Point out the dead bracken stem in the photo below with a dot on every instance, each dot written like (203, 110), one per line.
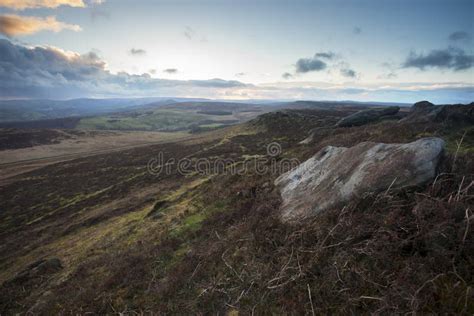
(467, 226)
(230, 267)
(459, 143)
(310, 299)
(390, 186)
(459, 189)
(421, 288)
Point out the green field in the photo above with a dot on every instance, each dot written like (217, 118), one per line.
(158, 120)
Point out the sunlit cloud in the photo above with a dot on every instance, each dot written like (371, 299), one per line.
(13, 25)
(50, 4)
(34, 4)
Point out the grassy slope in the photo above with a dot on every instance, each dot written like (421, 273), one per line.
(133, 242)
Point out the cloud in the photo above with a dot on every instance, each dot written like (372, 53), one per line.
(137, 51)
(440, 93)
(192, 34)
(12, 25)
(152, 71)
(452, 58)
(189, 33)
(240, 74)
(304, 65)
(218, 83)
(48, 72)
(357, 30)
(389, 75)
(51, 4)
(287, 75)
(170, 70)
(347, 72)
(459, 36)
(97, 13)
(327, 55)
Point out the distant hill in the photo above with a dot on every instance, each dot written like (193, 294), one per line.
(33, 110)
(29, 110)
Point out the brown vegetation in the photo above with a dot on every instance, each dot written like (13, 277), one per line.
(217, 246)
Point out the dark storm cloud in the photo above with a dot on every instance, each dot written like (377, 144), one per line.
(346, 72)
(452, 58)
(459, 36)
(137, 51)
(287, 75)
(46, 72)
(171, 70)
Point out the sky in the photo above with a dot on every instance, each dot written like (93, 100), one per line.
(365, 50)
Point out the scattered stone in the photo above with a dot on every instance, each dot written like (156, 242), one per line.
(335, 175)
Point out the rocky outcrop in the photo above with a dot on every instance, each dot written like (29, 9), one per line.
(367, 116)
(335, 175)
(424, 111)
(422, 106)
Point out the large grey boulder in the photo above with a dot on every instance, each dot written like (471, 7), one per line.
(335, 175)
(367, 116)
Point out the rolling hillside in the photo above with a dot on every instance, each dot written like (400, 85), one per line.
(114, 233)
